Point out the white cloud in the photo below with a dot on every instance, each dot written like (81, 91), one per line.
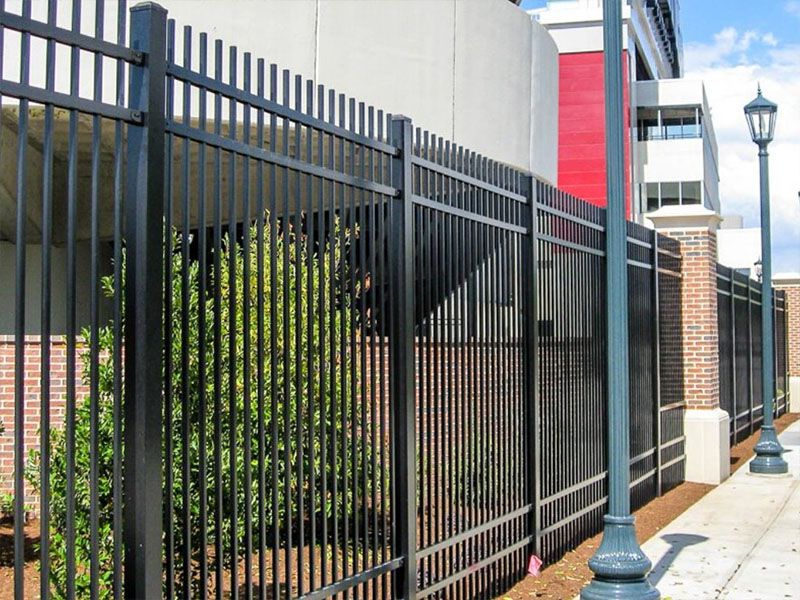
(731, 67)
(793, 7)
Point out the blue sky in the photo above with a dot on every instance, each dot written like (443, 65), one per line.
(732, 46)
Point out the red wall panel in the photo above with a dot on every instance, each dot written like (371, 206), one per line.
(581, 127)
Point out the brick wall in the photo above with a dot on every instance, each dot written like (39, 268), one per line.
(700, 327)
(33, 399)
(793, 330)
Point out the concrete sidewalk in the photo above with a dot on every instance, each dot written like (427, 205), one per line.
(739, 542)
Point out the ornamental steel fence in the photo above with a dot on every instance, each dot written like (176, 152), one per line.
(570, 483)
(310, 351)
(739, 314)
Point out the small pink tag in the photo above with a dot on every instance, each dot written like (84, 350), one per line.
(534, 564)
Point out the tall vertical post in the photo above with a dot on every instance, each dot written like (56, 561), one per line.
(769, 459)
(401, 359)
(656, 368)
(733, 355)
(750, 378)
(774, 310)
(143, 307)
(619, 565)
(530, 322)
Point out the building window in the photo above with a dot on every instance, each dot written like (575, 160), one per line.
(670, 194)
(653, 202)
(669, 124)
(673, 193)
(690, 192)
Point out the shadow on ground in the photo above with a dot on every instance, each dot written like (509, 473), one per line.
(677, 542)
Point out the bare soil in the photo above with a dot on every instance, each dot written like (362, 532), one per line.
(560, 581)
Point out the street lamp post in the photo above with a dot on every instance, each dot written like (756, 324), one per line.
(761, 115)
(619, 565)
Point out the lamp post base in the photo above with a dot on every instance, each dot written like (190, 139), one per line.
(768, 460)
(619, 565)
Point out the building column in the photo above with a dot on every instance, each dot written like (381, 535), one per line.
(706, 425)
(791, 285)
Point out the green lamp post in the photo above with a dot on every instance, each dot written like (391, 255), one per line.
(619, 565)
(761, 114)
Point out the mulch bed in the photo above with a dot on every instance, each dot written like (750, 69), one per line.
(564, 579)
(561, 581)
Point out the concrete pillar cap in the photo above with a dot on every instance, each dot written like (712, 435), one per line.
(691, 216)
(786, 279)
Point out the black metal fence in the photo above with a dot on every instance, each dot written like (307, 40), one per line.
(324, 353)
(739, 313)
(570, 492)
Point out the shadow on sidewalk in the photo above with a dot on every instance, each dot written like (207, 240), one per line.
(677, 542)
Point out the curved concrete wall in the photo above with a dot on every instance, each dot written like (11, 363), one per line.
(479, 72)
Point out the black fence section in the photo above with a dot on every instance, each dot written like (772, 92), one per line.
(308, 352)
(571, 488)
(739, 314)
(471, 225)
(64, 123)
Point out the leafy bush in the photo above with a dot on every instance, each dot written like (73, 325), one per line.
(298, 421)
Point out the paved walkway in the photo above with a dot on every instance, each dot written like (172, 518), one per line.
(739, 542)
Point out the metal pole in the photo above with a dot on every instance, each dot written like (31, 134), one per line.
(531, 350)
(143, 294)
(619, 565)
(750, 378)
(732, 415)
(768, 458)
(656, 312)
(401, 353)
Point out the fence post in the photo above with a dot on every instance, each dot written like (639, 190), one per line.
(530, 349)
(401, 352)
(749, 359)
(734, 396)
(773, 309)
(656, 368)
(143, 307)
(786, 381)
(775, 406)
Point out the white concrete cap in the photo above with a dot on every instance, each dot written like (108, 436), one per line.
(689, 216)
(784, 279)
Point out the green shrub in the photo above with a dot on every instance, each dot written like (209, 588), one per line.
(296, 415)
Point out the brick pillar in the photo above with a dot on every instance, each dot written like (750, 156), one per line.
(706, 425)
(791, 285)
(699, 314)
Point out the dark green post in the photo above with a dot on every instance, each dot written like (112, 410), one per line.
(144, 239)
(619, 565)
(761, 114)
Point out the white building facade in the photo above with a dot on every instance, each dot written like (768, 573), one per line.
(676, 159)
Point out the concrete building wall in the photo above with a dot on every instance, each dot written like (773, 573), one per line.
(58, 281)
(481, 72)
(672, 160)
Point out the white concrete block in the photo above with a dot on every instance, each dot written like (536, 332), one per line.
(707, 446)
(794, 394)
